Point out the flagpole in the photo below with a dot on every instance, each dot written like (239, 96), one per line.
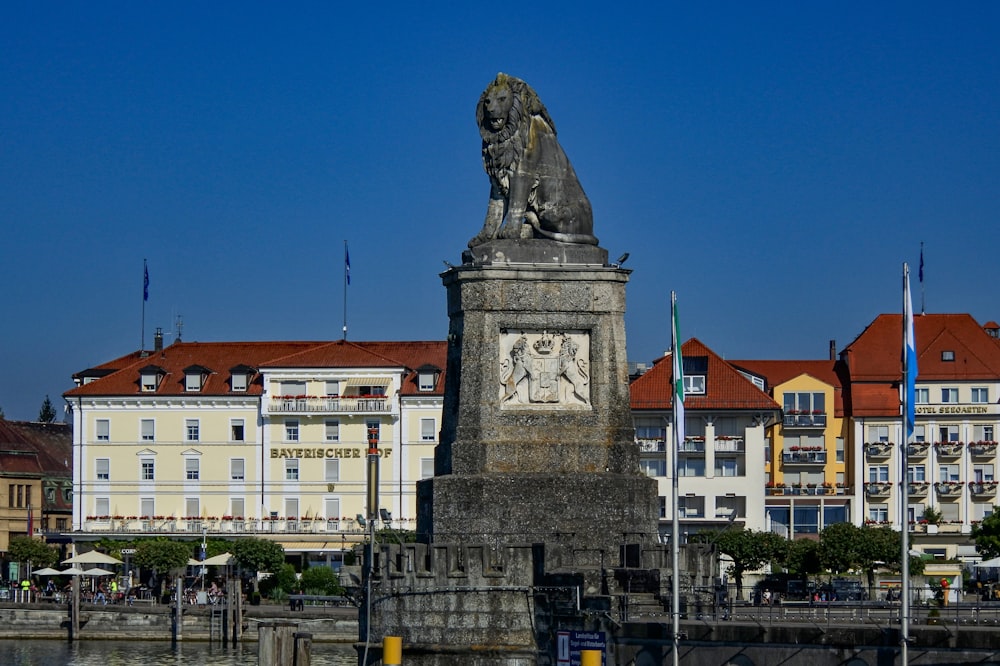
(347, 281)
(678, 437)
(921, 276)
(909, 382)
(145, 296)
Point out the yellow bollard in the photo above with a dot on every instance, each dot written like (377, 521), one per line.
(590, 658)
(392, 651)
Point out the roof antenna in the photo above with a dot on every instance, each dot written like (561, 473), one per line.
(180, 326)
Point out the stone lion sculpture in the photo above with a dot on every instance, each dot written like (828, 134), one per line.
(534, 192)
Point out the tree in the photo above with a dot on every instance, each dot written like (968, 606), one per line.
(258, 555)
(162, 556)
(749, 551)
(29, 549)
(845, 546)
(320, 580)
(803, 557)
(987, 536)
(47, 414)
(838, 547)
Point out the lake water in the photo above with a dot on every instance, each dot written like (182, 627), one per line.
(151, 653)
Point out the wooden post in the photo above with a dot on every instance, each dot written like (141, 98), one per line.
(276, 643)
(392, 651)
(303, 649)
(590, 658)
(74, 631)
(178, 609)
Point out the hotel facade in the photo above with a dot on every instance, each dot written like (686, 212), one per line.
(254, 438)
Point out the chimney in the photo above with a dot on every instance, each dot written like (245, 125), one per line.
(158, 340)
(833, 350)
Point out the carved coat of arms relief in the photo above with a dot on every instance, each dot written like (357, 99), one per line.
(544, 369)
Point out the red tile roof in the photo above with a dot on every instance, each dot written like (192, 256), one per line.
(876, 354)
(35, 448)
(725, 387)
(221, 357)
(779, 372)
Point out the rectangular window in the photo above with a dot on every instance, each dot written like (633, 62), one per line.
(694, 384)
(840, 449)
(426, 468)
(916, 473)
(239, 382)
(147, 469)
(333, 513)
(236, 430)
(726, 467)
(237, 471)
(980, 395)
(291, 509)
(291, 469)
(103, 469)
(982, 473)
(148, 380)
(806, 519)
(237, 508)
(726, 506)
(691, 507)
(192, 469)
(921, 396)
(949, 511)
(878, 513)
(948, 472)
(102, 507)
(425, 381)
(981, 511)
(332, 389)
(192, 382)
(428, 433)
(688, 466)
(878, 473)
(948, 433)
(331, 470)
(147, 507)
(147, 430)
(918, 434)
(878, 434)
(192, 430)
(292, 430)
(293, 389)
(949, 395)
(982, 433)
(654, 467)
(103, 430)
(332, 433)
(192, 507)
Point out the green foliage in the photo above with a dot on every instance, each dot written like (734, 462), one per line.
(750, 550)
(47, 413)
(258, 554)
(162, 555)
(838, 547)
(845, 546)
(803, 557)
(390, 535)
(987, 536)
(29, 549)
(931, 515)
(281, 583)
(321, 580)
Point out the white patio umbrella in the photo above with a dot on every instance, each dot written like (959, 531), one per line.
(92, 557)
(72, 571)
(221, 560)
(97, 571)
(989, 564)
(47, 571)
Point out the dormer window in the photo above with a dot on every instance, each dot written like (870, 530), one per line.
(695, 370)
(239, 378)
(150, 378)
(427, 377)
(195, 377)
(948, 355)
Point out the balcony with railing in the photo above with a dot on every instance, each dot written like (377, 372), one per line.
(809, 455)
(948, 449)
(692, 445)
(983, 449)
(983, 488)
(215, 525)
(917, 450)
(949, 488)
(308, 404)
(733, 445)
(878, 488)
(878, 450)
(805, 419)
(651, 445)
(918, 488)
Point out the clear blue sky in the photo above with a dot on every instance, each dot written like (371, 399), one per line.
(773, 163)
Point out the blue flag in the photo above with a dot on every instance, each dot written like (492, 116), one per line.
(347, 264)
(145, 282)
(920, 273)
(909, 353)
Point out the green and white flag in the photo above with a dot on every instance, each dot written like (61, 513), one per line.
(678, 406)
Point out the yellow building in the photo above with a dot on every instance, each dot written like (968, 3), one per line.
(259, 438)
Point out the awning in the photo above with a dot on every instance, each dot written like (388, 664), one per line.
(369, 381)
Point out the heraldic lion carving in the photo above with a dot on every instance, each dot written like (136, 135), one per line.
(532, 183)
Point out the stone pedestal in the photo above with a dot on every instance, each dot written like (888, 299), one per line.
(537, 437)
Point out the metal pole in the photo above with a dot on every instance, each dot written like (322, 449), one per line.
(904, 507)
(675, 548)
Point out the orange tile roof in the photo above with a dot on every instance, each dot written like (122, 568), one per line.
(777, 372)
(221, 357)
(876, 354)
(725, 387)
